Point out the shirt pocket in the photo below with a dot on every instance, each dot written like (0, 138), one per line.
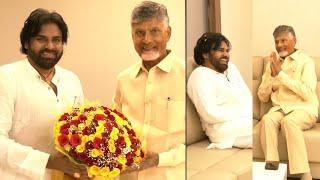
(170, 115)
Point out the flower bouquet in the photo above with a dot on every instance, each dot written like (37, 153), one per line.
(100, 138)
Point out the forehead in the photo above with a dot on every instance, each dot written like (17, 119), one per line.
(149, 24)
(50, 29)
(283, 35)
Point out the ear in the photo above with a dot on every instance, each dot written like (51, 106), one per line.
(205, 55)
(168, 33)
(26, 45)
(295, 40)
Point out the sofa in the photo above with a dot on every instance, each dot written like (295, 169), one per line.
(312, 136)
(203, 164)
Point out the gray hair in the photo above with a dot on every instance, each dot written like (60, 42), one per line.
(148, 10)
(283, 28)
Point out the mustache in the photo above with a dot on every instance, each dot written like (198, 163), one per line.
(225, 57)
(48, 51)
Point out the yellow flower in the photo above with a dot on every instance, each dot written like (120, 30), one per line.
(138, 153)
(99, 111)
(81, 126)
(122, 159)
(120, 121)
(80, 148)
(58, 126)
(114, 133)
(111, 146)
(127, 140)
(100, 129)
(114, 173)
(101, 123)
(137, 159)
(105, 171)
(67, 147)
(93, 171)
(91, 137)
(95, 153)
(84, 139)
(90, 117)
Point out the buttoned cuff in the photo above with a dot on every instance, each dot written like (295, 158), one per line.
(172, 157)
(35, 164)
(165, 159)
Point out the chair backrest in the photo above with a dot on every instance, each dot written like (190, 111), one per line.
(259, 64)
(194, 129)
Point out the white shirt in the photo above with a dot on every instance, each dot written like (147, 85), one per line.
(223, 102)
(28, 110)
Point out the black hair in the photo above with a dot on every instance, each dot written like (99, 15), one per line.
(208, 41)
(34, 22)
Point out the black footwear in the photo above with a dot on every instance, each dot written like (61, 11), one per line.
(272, 165)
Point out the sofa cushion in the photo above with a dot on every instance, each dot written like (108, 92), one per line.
(215, 163)
(194, 129)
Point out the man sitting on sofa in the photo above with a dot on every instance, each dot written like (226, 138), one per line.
(221, 98)
(290, 81)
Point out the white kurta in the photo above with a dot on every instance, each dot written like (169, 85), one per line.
(28, 110)
(224, 104)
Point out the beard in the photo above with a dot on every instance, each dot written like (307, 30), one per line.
(43, 62)
(218, 66)
(283, 54)
(150, 56)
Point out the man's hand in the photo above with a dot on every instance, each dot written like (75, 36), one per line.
(151, 160)
(275, 64)
(62, 163)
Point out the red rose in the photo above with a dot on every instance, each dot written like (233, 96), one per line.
(82, 156)
(82, 118)
(64, 117)
(99, 117)
(75, 140)
(110, 117)
(108, 126)
(120, 142)
(64, 129)
(97, 142)
(119, 167)
(75, 122)
(86, 131)
(89, 145)
(63, 140)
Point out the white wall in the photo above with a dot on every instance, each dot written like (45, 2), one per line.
(236, 26)
(100, 44)
(302, 15)
(197, 23)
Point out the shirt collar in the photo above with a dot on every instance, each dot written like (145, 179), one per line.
(35, 73)
(295, 55)
(165, 65)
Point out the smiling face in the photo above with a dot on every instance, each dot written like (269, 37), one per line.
(46, 48)
(150, 39)
(218, 59)
(285, 43)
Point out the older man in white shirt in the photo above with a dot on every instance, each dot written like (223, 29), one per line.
(220, 95)
(33, 92)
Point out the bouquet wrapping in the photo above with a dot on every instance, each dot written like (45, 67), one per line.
(98, 137)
